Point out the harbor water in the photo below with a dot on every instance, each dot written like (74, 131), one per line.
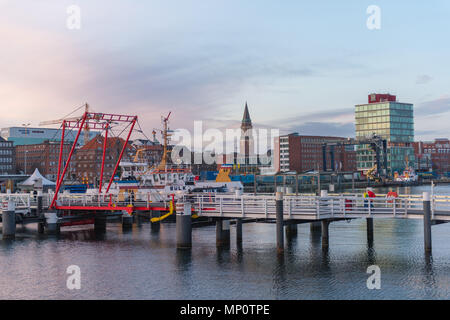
(144, 264)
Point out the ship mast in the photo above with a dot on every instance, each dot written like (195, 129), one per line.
(165, 134)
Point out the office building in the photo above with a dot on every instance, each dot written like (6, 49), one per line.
(301, 153)
(7, 159)
(384, 116)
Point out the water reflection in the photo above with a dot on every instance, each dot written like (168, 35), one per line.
(116, 262)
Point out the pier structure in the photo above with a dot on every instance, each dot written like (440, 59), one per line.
(285, 211)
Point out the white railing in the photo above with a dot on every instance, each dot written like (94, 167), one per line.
(302, 206)
(21, 200)
(315, 207)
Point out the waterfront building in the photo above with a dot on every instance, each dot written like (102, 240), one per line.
(384, 116)
(7, 155)
(43, 156)
(88, 159)
(433, 156)
(27, 135)
(301, 153)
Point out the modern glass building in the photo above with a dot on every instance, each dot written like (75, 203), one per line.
(26, 135)
(392, 120)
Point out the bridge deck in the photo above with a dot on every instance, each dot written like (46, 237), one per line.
(308, 207)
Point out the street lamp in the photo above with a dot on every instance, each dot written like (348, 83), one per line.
(26, 125)
(26, 151)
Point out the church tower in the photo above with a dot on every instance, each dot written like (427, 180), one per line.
(246, 143)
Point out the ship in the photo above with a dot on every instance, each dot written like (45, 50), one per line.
(168, 179)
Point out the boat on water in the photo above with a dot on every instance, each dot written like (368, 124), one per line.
(167, 179)
(408, 176)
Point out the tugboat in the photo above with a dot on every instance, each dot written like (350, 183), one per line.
(408, 175)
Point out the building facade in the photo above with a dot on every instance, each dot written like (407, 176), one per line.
(88, 159)
(298, 153)
(43, 156)
(433, 156)
(7, 157)
(384, 116)
(27, 135)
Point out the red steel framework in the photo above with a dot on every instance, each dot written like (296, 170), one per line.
(94, 121)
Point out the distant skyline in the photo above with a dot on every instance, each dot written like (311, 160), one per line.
(301, 66)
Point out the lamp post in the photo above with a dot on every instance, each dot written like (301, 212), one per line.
(25, 169)
(26, 125)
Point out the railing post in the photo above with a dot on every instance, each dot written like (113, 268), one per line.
(265, 207)
(220, 207)
(290, 208)
(394, 203)
(433, 203)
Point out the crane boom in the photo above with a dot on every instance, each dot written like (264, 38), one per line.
(57, 121)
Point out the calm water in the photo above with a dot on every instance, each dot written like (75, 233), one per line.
(140, 264)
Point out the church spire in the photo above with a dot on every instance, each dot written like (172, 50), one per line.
(246, 121)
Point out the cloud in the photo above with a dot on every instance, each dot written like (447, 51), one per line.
(324, 129)
(434, 107)
(423, 79)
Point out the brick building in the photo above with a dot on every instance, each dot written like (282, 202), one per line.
(150, 154)
(43, 156)
(7, 161)
(298, 153)
(434, 155)
(88, 159)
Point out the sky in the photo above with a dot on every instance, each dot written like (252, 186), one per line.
(302, 66)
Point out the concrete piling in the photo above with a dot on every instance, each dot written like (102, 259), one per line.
(226, 232)
(100, 222)
(325, 234)
(127, 221)
(291, 230)
(155, 226)
(427, 221)
(219, 234)
(316, 227)
(40, 213)
(369, 225)
(184, 227)
(9, 221)
(280, 222)
(52, 224)
(239, 231)
(222, 233)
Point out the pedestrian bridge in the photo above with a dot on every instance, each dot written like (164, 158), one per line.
(312, 207)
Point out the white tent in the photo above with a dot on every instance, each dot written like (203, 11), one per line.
(31, 181)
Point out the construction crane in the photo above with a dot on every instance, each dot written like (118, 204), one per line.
(166, 134)
(375, 142)
(66, 118)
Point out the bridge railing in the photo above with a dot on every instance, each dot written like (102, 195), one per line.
(21, 200)
(314, 206)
